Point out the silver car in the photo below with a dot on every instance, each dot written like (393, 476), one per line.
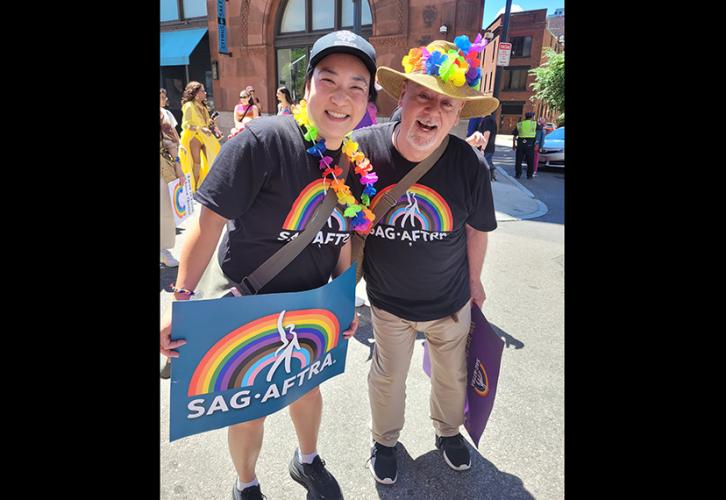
(552, 152)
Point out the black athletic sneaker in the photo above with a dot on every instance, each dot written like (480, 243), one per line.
(251, 493)
(320, 483)
(455, 452)
(383, 463)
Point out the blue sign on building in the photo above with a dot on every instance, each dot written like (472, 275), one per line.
(222, 24)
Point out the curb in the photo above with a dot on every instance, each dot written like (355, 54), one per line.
(516, 183)
(542, 209)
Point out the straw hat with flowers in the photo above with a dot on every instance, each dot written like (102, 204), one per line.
(451, 69)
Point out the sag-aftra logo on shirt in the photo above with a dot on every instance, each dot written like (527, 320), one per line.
(336, 232)
(421, 214)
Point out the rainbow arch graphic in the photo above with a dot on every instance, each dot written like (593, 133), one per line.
(304, 206)
(337, 215)
(433, 215)
(180, 207)
(240, 356)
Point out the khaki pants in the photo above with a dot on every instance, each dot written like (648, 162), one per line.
(390, 363)
(168, 228)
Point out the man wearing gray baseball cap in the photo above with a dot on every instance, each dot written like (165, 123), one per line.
(257, 180)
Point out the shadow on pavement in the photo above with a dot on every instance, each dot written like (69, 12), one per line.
(509, 341)
(364, 333)
(428, 477)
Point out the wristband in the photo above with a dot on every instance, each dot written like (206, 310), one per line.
(183, 291)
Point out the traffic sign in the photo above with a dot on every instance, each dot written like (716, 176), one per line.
(505, 50)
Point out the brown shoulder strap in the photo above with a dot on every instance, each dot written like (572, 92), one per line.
(254, 282)
(390, 198)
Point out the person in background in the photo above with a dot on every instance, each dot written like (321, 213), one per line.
(197, 138)
(284, 106)
(255, 100)
(244, 112)
(370, 118)
(538, 142)
(482, 134)
(168, 116)
(523, 143)
(170, 170)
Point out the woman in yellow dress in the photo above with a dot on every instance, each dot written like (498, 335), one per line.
(200, 145)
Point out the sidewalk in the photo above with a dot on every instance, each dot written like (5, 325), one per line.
(512, 201)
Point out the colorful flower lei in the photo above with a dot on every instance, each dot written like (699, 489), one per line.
(361, 215)
(456, 66)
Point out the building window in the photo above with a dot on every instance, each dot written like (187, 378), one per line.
(346, 20)
(294, 17)
(195, 8)
(512, 108)
(316, 15)
(522, 46)
(323, 14)
(177, 10)
(291, 66)
(169, 10)
(304, 21)
(515, 79)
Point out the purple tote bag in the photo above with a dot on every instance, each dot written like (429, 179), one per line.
(484, 357)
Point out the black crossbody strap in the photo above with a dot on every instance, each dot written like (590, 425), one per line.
(254, 282)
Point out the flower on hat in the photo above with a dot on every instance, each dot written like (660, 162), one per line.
(413, 61)
(457, 66)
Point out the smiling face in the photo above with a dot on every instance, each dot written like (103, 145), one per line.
(337, 96)
(201, 94)
(426, 118)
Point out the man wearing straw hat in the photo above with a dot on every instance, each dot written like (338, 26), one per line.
(424, 257)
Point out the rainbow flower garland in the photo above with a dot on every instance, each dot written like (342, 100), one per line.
(361, 215)
(456, 66)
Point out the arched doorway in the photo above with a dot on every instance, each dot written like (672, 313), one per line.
(299, 24)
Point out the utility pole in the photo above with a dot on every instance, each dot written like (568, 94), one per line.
(502, 38)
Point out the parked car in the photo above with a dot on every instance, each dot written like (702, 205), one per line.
(549, 127)
(552, 152)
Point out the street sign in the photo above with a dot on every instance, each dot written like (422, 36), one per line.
(505, 50)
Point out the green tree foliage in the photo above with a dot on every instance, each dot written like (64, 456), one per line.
(549, 85)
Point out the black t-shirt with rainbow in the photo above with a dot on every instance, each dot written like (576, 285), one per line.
(416, 263)
(268, 186)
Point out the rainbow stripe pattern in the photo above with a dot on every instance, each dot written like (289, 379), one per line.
(433, 214)
(304, 206)
(337, 215)
(241, 355)
(180, 207)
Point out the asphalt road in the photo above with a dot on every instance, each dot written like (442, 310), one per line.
(521, 454)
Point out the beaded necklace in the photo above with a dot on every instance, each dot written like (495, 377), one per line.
(361, 215)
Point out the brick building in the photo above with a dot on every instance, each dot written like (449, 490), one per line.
(529, 36)
(556, 23)
(269, 41)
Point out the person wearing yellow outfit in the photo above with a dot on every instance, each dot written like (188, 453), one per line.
(200, 145)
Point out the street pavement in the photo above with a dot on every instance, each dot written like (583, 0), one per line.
(520, 455)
